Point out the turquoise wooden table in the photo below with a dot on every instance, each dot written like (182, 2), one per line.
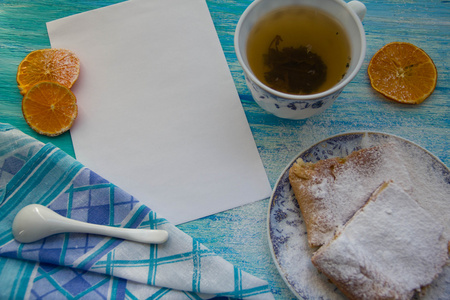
(240, 235)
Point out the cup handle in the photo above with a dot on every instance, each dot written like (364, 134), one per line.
(359, 8)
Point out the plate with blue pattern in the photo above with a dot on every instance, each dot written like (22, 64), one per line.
(287, 232)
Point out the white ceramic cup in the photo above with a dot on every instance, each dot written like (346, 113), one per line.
(291, 106)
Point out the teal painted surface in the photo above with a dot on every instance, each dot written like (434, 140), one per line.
(240, 235)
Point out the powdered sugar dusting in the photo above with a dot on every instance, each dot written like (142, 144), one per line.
(397, 244)
(426, 179)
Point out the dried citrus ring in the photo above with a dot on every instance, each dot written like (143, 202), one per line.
(58, 65)
(49, 108)
(403, 72)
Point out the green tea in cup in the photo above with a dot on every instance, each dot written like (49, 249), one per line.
(298, 50)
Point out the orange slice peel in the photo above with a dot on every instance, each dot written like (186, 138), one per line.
(57, 65)
(49, 108)
(403, 72)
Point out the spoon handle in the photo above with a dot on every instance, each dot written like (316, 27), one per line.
(35, 222)
(147, 236)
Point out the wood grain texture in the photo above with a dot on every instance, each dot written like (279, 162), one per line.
(240, 235)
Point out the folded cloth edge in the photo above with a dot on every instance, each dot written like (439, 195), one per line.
(70, 168)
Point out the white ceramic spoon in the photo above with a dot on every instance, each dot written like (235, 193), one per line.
(35, 222)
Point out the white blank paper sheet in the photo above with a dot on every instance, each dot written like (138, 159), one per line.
(159, 115)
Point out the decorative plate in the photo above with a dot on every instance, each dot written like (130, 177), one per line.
(287, 232)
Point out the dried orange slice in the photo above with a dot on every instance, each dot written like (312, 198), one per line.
(58, 65)
(49, 108)
(403, 72)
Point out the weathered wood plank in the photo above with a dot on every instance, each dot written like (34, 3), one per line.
(240, 234)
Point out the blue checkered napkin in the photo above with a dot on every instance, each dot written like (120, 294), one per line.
(79, 265)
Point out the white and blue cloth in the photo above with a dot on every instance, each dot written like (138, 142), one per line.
(83, 266)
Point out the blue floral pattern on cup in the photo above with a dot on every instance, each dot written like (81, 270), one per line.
(297, 107)
(290, 108)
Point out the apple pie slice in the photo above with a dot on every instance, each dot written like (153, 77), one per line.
(330, 191)
(389, 249)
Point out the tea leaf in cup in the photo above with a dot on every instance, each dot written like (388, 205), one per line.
(294, 70)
